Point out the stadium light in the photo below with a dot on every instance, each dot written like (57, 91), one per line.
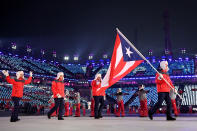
(183, 51)
(90, 57)
(54, 54)
(29, 49)
(150, 52)
(42, 51)
(13, 46)
(76, 57)
(66, 58)
(196, 56)
(105, 56)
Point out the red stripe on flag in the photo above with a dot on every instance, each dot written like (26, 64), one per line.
(120, 66)
(127, 72)
(113, 59)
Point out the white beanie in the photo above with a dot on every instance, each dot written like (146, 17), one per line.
(59, 74)
(163, 65)
(18, 73)
(141, 87)
(97, 75)
(119, 90)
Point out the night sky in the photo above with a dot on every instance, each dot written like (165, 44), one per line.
(83, 27)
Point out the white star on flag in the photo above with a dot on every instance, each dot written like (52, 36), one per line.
(128, 51)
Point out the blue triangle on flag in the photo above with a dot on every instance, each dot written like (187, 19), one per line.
(129, 54)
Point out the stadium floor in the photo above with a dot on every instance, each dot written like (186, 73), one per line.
(42, 123)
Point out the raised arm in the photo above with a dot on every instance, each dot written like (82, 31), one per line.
(28, 81)
(8, 79)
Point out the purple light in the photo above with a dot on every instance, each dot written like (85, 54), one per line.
(180, 58)
(186, 58)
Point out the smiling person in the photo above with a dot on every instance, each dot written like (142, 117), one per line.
(58, 94)
(17, 90)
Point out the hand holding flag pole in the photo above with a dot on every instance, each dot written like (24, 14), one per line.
(140, 54)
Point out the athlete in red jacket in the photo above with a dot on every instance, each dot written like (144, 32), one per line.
(98, 97)
(163, 90)
(17, 90)
(58, 93)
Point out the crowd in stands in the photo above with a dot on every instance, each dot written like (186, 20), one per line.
(39, 91)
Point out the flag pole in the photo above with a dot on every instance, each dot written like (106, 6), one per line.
(140, 54)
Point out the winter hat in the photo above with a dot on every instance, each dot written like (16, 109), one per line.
(119, 90)
(59, 74)
(164, 65)
(141, 87)
(18, 73)
(97, 75)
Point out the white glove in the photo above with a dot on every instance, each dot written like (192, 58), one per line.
(30, 73)
(5, 73)
(175, 91)
(160, 76)
(58, 95)
(65, 98)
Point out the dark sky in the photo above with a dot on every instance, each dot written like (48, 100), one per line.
(83, 27)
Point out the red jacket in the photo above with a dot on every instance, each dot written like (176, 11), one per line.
(18, 85)
(94, 89)
(58, 88)
(162, 86)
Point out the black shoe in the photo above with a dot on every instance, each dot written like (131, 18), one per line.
(170, 119)
(77, 116)
(60, 118)
(13, 120)
(96, 117)
(49, 116)
(150, 115)
(100, 116)
(18, 119)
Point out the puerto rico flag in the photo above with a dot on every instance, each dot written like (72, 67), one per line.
(124, 60)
